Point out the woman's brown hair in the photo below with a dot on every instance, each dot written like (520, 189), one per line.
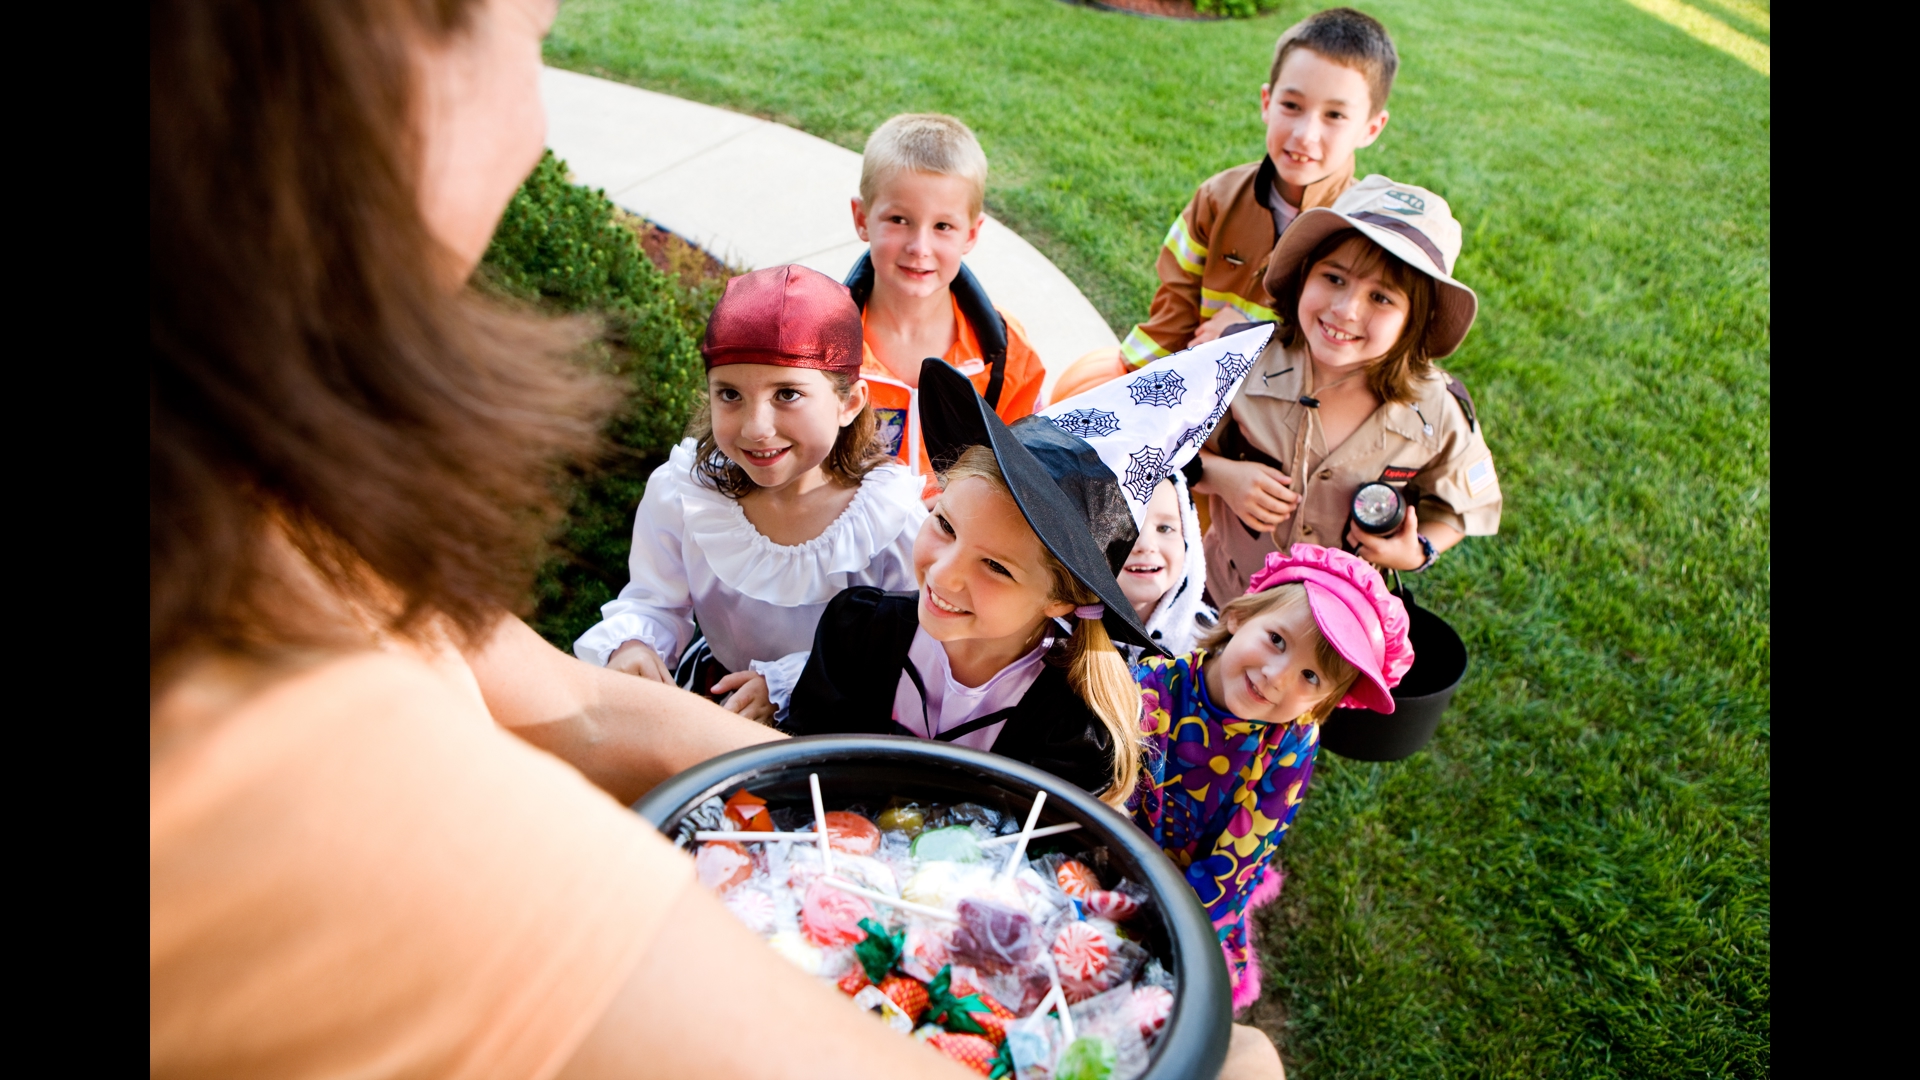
(311, 374)
(856, 451)
(1391, 377)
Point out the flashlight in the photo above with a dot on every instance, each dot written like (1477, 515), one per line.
(1379, 508)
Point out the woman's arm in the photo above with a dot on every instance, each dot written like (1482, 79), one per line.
(625, 734)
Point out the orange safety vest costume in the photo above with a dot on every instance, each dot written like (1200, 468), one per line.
(989, 347)
(1215, 257)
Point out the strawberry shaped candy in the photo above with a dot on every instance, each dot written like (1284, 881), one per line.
(972, 1051)
(909, 994)
(878, 952)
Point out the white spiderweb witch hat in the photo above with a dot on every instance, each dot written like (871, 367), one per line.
(1148, 424)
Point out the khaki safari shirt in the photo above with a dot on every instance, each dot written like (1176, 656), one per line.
(1215, 257)
(1435, 445)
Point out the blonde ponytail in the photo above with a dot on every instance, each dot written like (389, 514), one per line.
(1095, 670)
(1099, 676)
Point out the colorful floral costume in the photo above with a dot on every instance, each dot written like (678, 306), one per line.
(1218, 795)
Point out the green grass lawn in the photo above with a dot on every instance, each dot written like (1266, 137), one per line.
(1573, 879)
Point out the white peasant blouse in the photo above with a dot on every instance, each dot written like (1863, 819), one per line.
(695, 555)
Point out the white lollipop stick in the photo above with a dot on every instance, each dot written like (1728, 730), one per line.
(893, 901)
(820, 824)
(1059, 996)
(1026, 834)
(1011, 838)
(750, 837)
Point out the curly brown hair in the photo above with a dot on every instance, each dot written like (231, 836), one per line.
(311, 376)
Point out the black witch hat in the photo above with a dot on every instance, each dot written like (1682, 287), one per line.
(1068, 495)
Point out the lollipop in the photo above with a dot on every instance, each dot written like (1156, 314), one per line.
(831, 917)
(851, 833)
(722, 864)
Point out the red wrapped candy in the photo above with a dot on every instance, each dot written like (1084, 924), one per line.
(830, 917)
(1076, 879)
(995, 1019)
(1151, 1007)
(748, 812)
(1109, 904)
(1079, 952)
(974, 1052)
(853, 982)
(722, 864)
(909, 994)
(851, 833)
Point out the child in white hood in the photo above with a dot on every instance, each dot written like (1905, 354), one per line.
(1166, 573)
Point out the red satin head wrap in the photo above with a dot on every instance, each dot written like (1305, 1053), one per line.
(787, 316)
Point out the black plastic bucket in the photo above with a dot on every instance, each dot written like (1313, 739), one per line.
(871, 769)
(1439, 663)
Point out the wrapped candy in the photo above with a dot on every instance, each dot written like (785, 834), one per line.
(973, 1051)
(1111, 904)
(875, 1000)
(994, 936)
(1033, 1045)
(851, 833)
(1151, 1007)
(754, 907)
(909, 994)
(907, 817)
(748, 812)
(854, 981)
(722, 864)
(1079, 952)
(1088, 1057)
(955, 843)
(830, 917)
(925, 951)
(942, 884)
(1076, 879)
(989, 821)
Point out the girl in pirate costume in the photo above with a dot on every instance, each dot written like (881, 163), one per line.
(1009, 645)
(782, 498)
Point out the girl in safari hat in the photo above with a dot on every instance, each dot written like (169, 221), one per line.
(1348, 394)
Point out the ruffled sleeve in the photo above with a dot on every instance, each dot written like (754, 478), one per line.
(655, 606)
(870, 543)
(781, 675)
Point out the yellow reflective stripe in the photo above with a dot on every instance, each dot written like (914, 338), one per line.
(1192, 257)
(1140, 349)
(1213, 300)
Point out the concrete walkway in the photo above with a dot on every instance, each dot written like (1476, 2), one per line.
(756, 194)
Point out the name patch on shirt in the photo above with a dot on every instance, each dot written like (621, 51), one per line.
(1398, 473)
(1480, 475)
(891, 426)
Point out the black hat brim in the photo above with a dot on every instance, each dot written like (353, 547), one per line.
(953, 417)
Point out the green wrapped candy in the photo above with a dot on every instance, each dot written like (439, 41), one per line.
(1088, 1057)
(952, 844)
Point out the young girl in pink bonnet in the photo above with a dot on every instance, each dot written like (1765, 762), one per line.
(1231, 729)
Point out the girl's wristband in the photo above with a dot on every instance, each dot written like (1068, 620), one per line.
(1426, 549)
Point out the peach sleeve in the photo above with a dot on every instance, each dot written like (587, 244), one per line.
(354, 871)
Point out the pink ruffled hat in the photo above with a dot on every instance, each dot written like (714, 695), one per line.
(1365, 623)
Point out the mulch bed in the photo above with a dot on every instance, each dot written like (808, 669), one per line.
(1156, 9)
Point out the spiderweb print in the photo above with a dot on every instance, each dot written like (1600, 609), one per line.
(1162, 388)
(1145, 469)
(1087, 423)
(1232, 366)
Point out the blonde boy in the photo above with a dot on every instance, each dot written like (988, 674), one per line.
(1324, 99)
(923, 181)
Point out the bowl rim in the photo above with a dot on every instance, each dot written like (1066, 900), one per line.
(1198, 1026)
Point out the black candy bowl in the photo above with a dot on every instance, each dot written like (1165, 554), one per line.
(871, 769)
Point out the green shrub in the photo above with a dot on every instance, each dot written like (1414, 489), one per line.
(566, 248)
(1235, 9)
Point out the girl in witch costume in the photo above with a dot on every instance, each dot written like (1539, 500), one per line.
(782, 498)
(1232, 728)
(1009, 644)
(1165, 575)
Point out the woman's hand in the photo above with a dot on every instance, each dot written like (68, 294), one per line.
(638, 658)
(1257, 493)
(748, 696)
